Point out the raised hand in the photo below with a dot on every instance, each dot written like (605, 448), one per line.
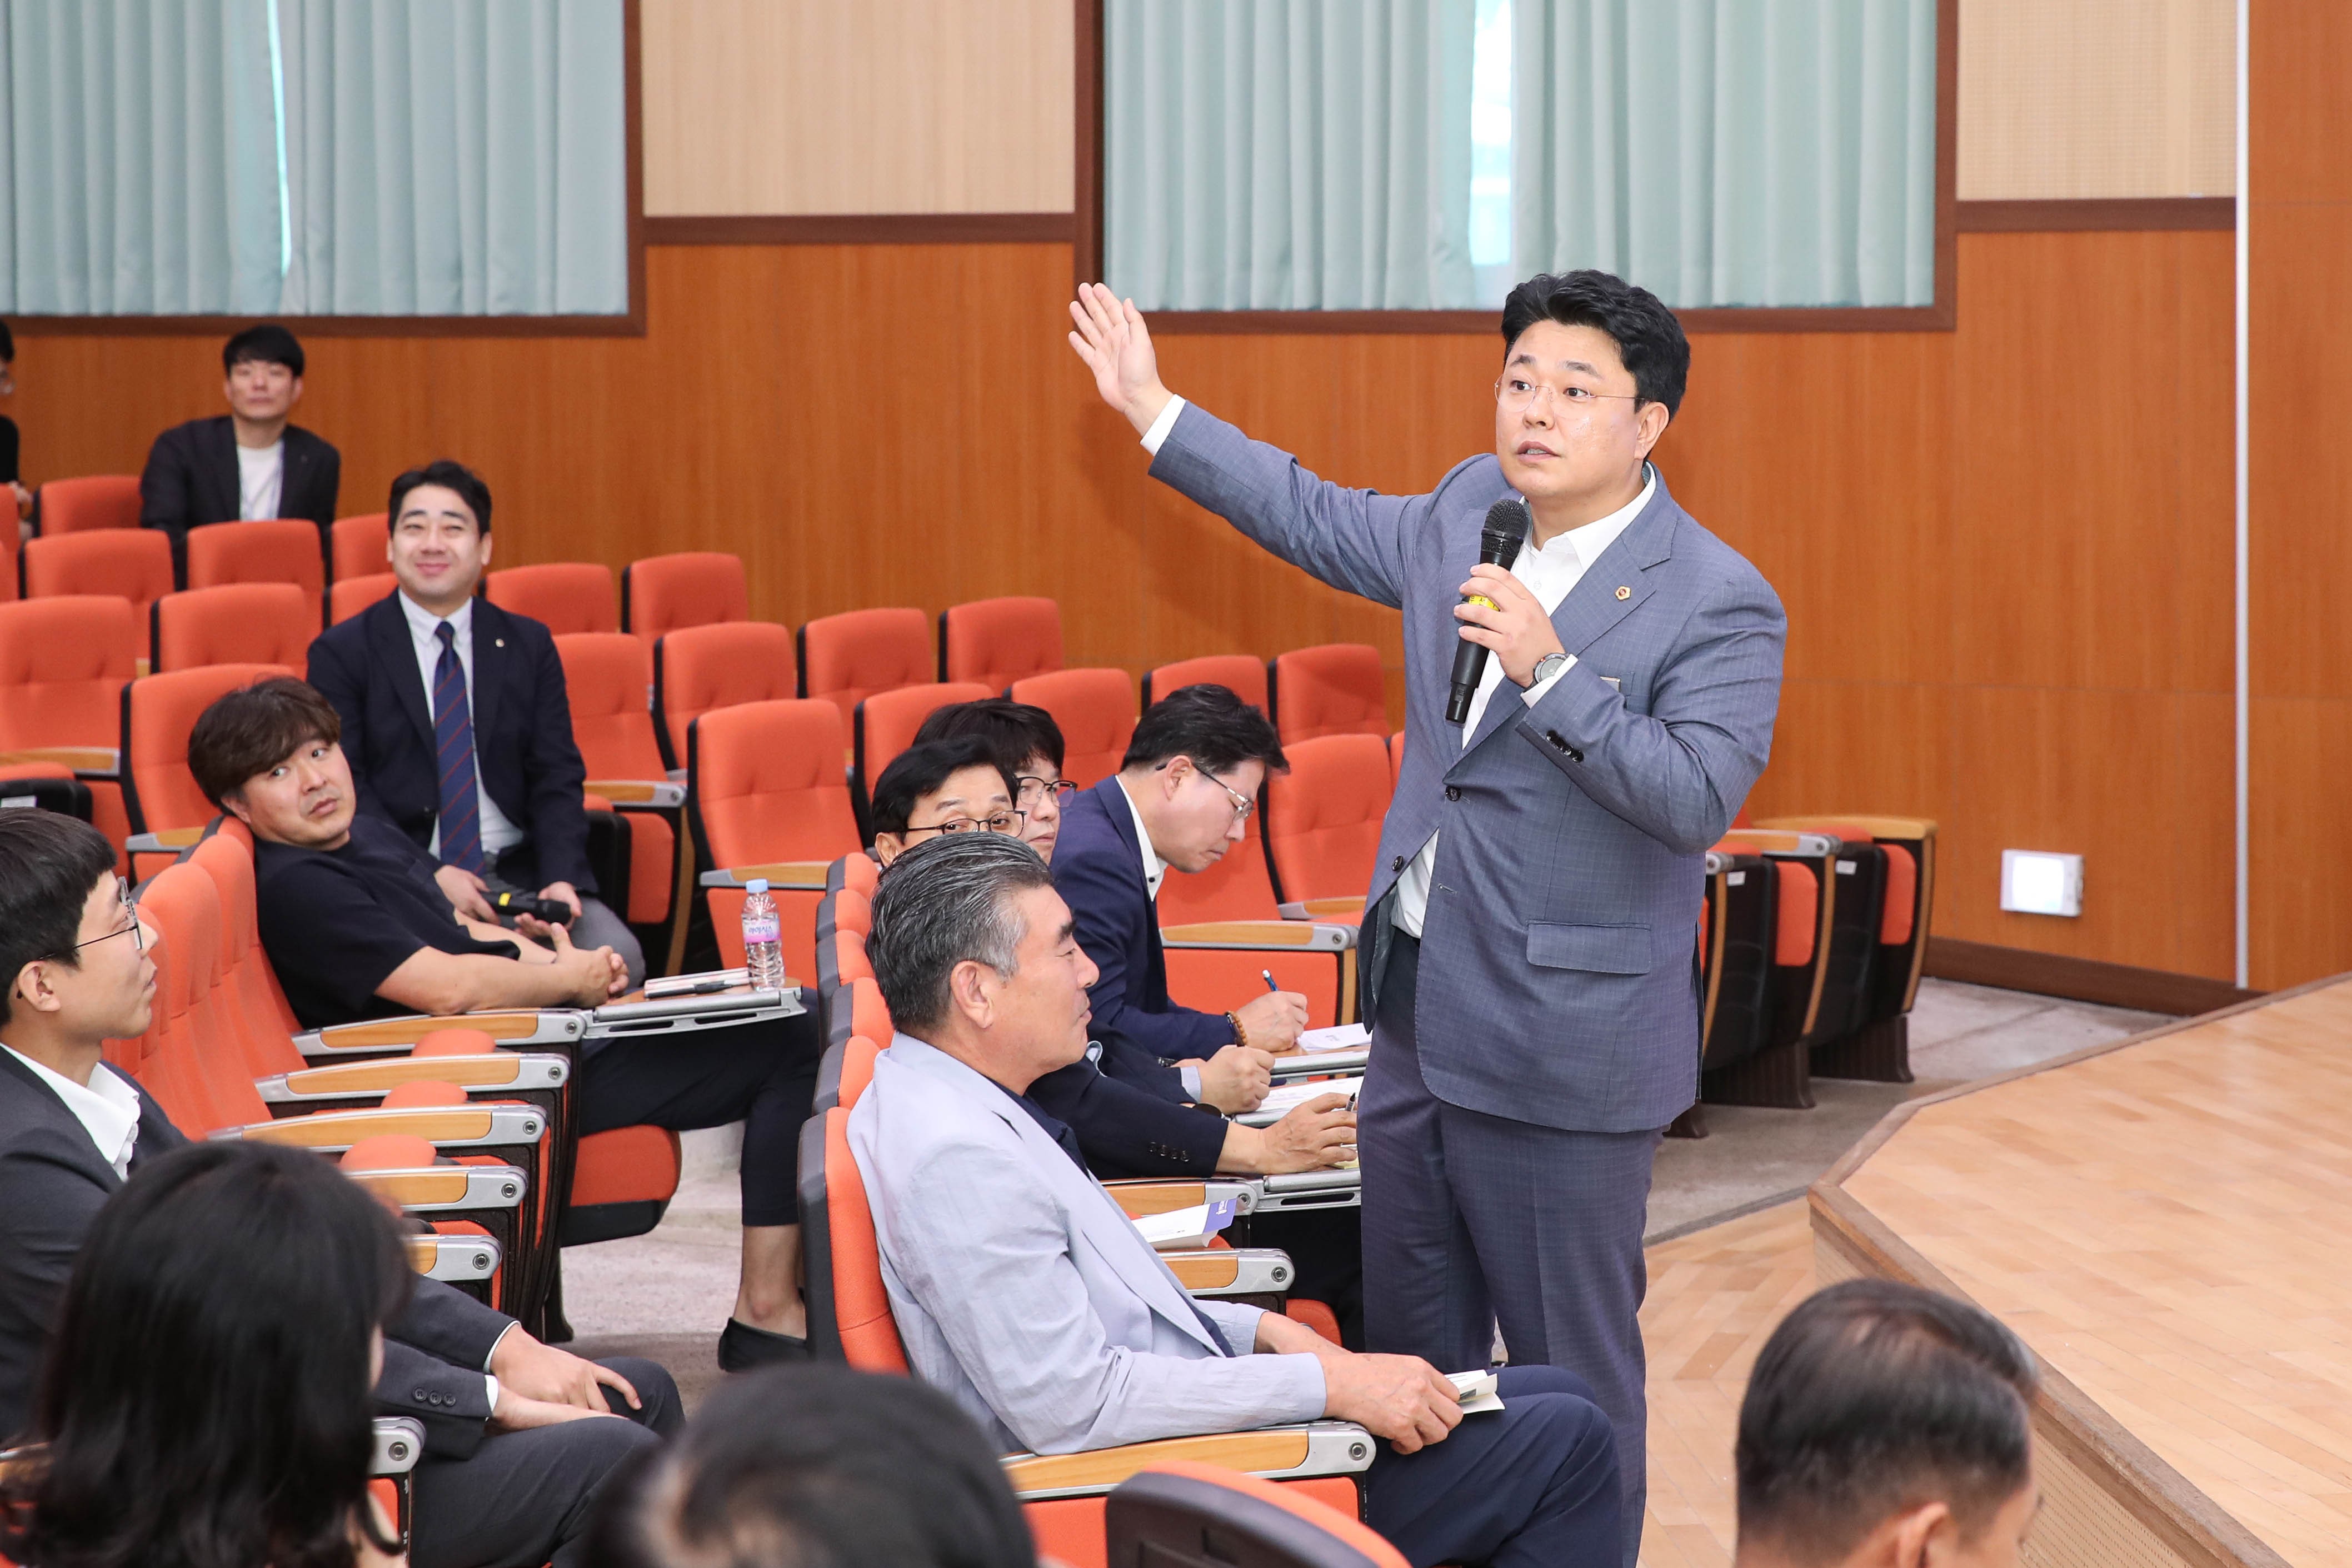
(1117, 346)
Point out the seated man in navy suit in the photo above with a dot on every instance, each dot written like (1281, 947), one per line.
(513, 1459)
(1020, 1288)
(456, 723)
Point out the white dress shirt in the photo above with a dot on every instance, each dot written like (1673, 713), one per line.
(260, 479)
(498, 834)
(107, 1108)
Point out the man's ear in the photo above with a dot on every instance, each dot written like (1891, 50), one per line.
(30, 988)
(1650, 422)
(233, 802)
(488, 540)
(888, 847)
(1917, 1538)
(1172, 777)
(967, 983)
(295, 396)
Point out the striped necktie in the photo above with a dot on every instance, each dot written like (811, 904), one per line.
(452, 739)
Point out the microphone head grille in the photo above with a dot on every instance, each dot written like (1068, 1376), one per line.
(1506, 528)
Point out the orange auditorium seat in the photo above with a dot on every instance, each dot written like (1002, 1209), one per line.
(131, 564)
(999, 641)
(562, 595)
(76, 506)
(885, 723)
(238, 622)
(694, 588)
(1239, 673)
(63, 665)
(607, 675)
(281, 549)
(769, 800)
(1096, 711)
(167, 811)
(1323, 823)
(349, 596)
(359, 544)
(847, 658)
(699, 668)
(1181, 1512)
(1338, 688)
(11, 571)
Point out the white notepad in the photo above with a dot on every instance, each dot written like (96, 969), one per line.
(1477, 1390)
(1179, 1230)
(1283, 1098)
(1344, 1037)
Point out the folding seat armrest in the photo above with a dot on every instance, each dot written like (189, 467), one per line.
(86, 761)
(798, 876)
(640, 795)
(513, 1070)
(438, 1189)
(510, 1027)
(1233, 1270)
(1277, 1453)
(1336, 910)
(678, 1013)
(399, 1444)
(1313, 1064)
(444, 1127)
(454, 1259)
(1139, 1199)
(1261, 936)
(166, 841)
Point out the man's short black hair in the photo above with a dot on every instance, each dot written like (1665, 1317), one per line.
(1012, 731)
(1873, 1397)
(253, 729)
(920, 770)
(268, 342)
(49, 864)
(1648, 338)
(449, 476)
(1209, 724)
(815, 1466)
(7, 345)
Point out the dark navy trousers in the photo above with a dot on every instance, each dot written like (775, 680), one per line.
(1471, 1219)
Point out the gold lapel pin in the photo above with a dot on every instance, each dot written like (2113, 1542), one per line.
(1624, 593)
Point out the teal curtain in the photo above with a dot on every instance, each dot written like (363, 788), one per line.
(440, 157)
(456, 157)
(1728, 152)
(1287, 154)
(138, 158)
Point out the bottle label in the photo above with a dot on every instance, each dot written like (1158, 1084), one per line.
(757, 931)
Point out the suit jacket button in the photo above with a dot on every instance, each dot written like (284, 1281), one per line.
(1453, 792)
(1553, 736)
(1398, 864)
(418, 1395)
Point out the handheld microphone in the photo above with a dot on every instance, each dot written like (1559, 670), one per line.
(1499, 539)
(554, 911)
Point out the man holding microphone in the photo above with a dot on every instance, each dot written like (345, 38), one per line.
(1548, 848)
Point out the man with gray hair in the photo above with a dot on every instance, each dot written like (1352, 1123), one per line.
(1022, 1290)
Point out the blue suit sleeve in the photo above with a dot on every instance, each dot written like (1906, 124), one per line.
(1126, 1131)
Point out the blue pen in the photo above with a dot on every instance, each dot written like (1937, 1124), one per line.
(1268, 975)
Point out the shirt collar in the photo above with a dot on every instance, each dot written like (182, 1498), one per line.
(1155, 869)
(1587, 542)
(421, 621)
(107, 1108)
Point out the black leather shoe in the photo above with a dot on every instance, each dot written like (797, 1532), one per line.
(742, 1348)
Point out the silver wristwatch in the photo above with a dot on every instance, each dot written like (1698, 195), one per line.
(1547, 666)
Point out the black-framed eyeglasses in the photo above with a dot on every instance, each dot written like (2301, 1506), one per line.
(997, 822)
(1034, 789)
(134, 930)
(1243, 805)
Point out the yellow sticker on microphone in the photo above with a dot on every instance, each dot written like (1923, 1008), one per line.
(1482, 599)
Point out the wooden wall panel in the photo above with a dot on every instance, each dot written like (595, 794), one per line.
(2004, 550)
(796, 107)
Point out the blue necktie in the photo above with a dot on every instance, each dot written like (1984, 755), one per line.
(452, 739)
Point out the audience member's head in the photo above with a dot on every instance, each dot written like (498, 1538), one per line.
(1593, 369)
(73, 956)
(976, 954)
(1885, 1424)
(440, 520)
(1194, 769)
(207, 1397)
(264, 369)
(1024, 741)
(270, 754)
(816, 1466)
(938, 789)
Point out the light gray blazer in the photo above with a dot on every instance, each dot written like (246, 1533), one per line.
(1559, 957)
(1023, 1291)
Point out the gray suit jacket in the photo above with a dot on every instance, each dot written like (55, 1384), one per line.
(1023, 1291)
(1559, 956)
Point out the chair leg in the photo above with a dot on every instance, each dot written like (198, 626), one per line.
(1778, 1078)
(1880, 1052)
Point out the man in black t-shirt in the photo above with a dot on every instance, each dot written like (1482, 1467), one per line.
(356, 927)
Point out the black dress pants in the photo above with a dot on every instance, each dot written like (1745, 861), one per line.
(523, 1499)
(761, 1074)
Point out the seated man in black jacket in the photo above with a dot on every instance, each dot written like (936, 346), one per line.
(250, 462)
(456, 719)
(356, 927)
(512, 1459)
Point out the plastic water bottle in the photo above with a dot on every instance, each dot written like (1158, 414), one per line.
(763, 947)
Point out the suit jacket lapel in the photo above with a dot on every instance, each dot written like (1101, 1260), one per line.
(387, 631)
(226, 480)
(82, 1152)
(1122, 823)
(490, 653)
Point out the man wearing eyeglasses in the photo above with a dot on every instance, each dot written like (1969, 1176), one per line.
(935, 789)
(1530, 950)
(1027, 746)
